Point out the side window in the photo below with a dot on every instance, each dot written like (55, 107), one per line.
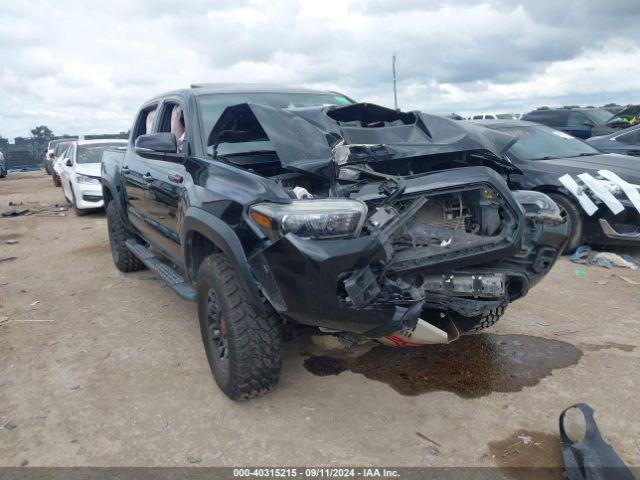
(172, 121)
(537, 117)
(576, 120)
(60, 148)
(63, 152)
(556, 119)
(631, 138)
(144, 123)
(477, 117)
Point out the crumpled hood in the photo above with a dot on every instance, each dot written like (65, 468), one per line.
(304, 139)
(89, 169)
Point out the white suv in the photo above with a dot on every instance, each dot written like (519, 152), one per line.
(79, 169)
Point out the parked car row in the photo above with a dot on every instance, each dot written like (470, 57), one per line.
(75, 167)
(579, 122)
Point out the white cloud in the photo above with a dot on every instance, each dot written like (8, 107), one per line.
(84, 66)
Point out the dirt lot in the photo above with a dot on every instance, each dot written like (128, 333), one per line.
(100, 368)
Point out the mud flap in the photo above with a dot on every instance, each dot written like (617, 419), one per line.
(591, 458)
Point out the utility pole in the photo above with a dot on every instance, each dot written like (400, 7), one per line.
(395, 89)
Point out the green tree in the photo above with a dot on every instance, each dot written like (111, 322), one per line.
(41, 133)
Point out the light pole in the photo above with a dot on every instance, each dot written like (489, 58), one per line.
(395, 89)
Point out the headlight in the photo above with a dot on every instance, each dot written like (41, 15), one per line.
(86, 179)
(330, 218)
(539, 207)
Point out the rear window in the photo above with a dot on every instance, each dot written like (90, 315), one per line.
(599, 116)
(93, 153)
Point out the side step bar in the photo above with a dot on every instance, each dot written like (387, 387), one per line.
(172, 278)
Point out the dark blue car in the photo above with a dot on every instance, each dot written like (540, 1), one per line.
(578, 122)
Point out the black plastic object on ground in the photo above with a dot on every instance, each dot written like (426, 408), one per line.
(591, 458)
(15, 213)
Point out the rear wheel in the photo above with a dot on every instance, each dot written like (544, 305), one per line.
(479, 322)
(118, 235)
(242, 345)
(571, 212)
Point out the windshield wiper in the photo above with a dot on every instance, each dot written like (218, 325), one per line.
(544, 158)
(585, 154)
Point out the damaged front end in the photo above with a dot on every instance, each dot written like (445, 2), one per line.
(399, 225)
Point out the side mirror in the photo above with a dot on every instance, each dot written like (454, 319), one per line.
(158, 146)
(589, 124)
(68, 162)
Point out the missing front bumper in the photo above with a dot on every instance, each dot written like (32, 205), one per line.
(348, 284)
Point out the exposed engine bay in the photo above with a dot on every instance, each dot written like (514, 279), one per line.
(432, 237)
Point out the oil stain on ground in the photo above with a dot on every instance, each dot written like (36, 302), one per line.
(473, 366)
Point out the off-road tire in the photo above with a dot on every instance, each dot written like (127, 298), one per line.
(118, 234)
(468, 325)
(573, 214)
(250, 340)
(79, 211)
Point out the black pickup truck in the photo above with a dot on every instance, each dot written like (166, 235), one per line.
(270, 206)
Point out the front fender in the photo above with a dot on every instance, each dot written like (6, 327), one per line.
(225, 239)
(111, 179)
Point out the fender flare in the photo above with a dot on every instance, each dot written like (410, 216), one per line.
(226, 240)
(117, 196)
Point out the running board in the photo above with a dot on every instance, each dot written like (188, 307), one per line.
(172, 278)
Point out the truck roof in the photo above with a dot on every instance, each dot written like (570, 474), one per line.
(213, 88)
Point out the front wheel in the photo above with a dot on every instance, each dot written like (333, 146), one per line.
(242, 345)
(571, 212)
(79, 211)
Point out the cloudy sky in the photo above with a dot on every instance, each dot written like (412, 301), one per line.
(83, 66)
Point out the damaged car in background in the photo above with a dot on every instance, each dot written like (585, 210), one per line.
(598, 193)
(302, 207)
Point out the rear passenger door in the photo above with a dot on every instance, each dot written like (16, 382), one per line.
(166, 180)
(135, 171)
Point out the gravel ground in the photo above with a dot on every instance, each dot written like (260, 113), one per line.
(105, 369)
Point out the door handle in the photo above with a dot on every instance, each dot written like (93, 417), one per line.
(147, 177)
